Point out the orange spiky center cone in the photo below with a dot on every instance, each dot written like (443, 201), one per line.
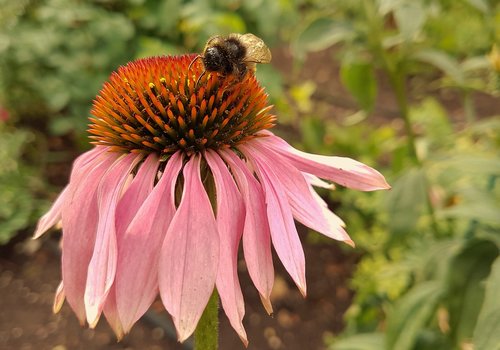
(154, 105)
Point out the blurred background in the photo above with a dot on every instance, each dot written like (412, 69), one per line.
(410, 87)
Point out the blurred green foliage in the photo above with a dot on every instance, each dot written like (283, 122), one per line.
(20, 183)
(429, 274)
(430, 243)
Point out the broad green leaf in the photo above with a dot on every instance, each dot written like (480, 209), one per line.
(442, 61)
(359, 79)
(410, 17)
(150, 46)
(366, 341)
(229, 22)
(18, 183)
(475, 63)
(486, 211)
(481, 5)
(313, 132)
(479, 164)
(406, 200)
(411, 314)
(487, 331)
(272, 79)
(321, 34)
(432, 116)
(465, 287)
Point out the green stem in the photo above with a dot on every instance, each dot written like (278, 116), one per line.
(397, 79)
(397, 84)
(399, 89)
(206, 335)
(470, 113)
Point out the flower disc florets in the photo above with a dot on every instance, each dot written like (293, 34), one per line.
(155, 105)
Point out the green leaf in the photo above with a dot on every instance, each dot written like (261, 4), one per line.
(313, 132)
(410, 17)
(411, 314)
(465, 287)
(476, 164)
(487, 331)
(481, 5)
(485, 211)
(442, 61)
(18, 183)
(359, 79)
(406, 200)
(321, 34)
(367, 341)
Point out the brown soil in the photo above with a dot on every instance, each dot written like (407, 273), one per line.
(29, 275)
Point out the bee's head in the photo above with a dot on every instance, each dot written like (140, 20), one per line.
(214, 59)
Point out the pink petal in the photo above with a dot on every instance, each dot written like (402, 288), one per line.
(128, 207)
(139, 248)
(317, 182)
(230, 221)
(90, 156)
(110, 311)
(335, 224)
(256, 234)
(306, 207)
(189, 255)
(79, 220)
(53, 216)
(283, 231)
(344, 171)
(102, 267)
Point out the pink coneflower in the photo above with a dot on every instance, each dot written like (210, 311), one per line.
(178, 176)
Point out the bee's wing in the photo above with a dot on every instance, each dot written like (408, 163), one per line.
(257, 51)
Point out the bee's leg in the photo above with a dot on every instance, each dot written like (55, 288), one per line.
(199, 78)
(193, 61)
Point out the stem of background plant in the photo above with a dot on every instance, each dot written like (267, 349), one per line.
(470, 113)
(397, 80)
(398, 86)
(206, 335)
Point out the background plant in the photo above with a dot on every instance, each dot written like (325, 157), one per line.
(428, 259)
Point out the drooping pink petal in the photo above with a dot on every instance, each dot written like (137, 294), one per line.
(284, 234)
(317, 182)
(336, 225)
(139, 249)
(110, 311)
(230, 221)
(127, 208)
(256, 235)
(90, 156)
(306, 208)
(102, 266)
(59, 298)
(322, 203)
(189, 255)
(344, 171)
(53, 216)
(79, 221)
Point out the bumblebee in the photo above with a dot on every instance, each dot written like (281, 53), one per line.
(233, 55)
